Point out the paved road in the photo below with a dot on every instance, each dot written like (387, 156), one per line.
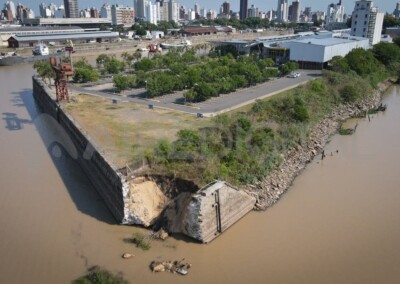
(213, 106)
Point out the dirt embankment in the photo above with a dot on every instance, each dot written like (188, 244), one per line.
(270, 189)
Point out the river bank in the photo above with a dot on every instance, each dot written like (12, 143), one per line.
(271, 188)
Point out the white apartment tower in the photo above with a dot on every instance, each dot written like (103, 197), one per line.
(121, 15)
(151, 13)
(335, 13)
(282, 11)
(140, 8)
(173, 11)
(367, 21)
(105, 11)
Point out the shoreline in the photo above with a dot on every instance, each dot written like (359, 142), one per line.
(269, 191)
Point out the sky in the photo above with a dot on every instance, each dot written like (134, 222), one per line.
(264, 5)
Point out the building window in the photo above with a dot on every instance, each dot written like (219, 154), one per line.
(355, 22)
(354, 29)
(356, 16)
(364, 29)
(365, 22)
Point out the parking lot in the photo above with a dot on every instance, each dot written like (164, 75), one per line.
(215, 105)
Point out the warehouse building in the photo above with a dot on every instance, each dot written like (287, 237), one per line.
(316, 52)
(60, 39)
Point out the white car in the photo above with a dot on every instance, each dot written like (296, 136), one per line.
(294, 75)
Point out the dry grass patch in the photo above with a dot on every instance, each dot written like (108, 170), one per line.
(125, 131)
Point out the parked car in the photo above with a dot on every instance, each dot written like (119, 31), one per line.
(294, 75)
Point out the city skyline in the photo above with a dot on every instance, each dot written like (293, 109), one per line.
(321, 5)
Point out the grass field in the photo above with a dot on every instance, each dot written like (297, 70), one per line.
(125, 131)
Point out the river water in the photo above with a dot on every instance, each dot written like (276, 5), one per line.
(337, 224)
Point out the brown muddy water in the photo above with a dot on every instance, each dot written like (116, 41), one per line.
(337, 224)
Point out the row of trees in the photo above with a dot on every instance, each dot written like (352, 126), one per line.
(202, 77)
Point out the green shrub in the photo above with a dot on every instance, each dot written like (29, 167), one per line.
(97, 275)
(140, 241)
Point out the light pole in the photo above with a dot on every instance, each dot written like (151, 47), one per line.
(146, 88)
(184, 95)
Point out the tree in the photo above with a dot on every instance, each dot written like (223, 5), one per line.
(86, 75)
(114, 66)
(339, 64)
(289, 67)
(362, 61)
(102, 59)
(123, 82)
(44, 69)
(137, 55)
(387, 53)
(145, 65)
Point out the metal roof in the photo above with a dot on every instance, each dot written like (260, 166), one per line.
(49, 37)
(329, 41)
(37, 28)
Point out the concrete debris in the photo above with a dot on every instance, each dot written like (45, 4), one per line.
(206, 214)
(176, 266)
(127, 255)
(144, 202)
(160, 234)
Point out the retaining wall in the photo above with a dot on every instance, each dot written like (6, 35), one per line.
(101, 173)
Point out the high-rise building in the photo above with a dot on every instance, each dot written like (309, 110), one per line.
(307, 12)
(367, 21)
(282, 11)
(24, 12)
(182, 13)
(94, 13)
(294, 11)
(197, 8)
(121, 15)
(252, 12)
(140, 9)
(173, 11)
(105, 11)
(335, 13)
(151, 13)
(71, 8)
(226, 8)
(396, 11)
(244, 5)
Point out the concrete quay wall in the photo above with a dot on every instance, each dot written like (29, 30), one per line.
(101, 173)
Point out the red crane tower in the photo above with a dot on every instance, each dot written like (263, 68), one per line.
(62, 70)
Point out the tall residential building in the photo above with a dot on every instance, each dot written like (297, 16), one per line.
(396, 11)
(94, 13)
(121, 15)
(226, 8)
(151, 13)
(244, 5)
(24, 12)
(367, 21)
(197, 8)
(294, 11)
(71, 8)
(282, 11)
(140, 8)
(252, 12)
(173, 11)
(182, 13)
(335, 13)
(164, 10)
(105, 11)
